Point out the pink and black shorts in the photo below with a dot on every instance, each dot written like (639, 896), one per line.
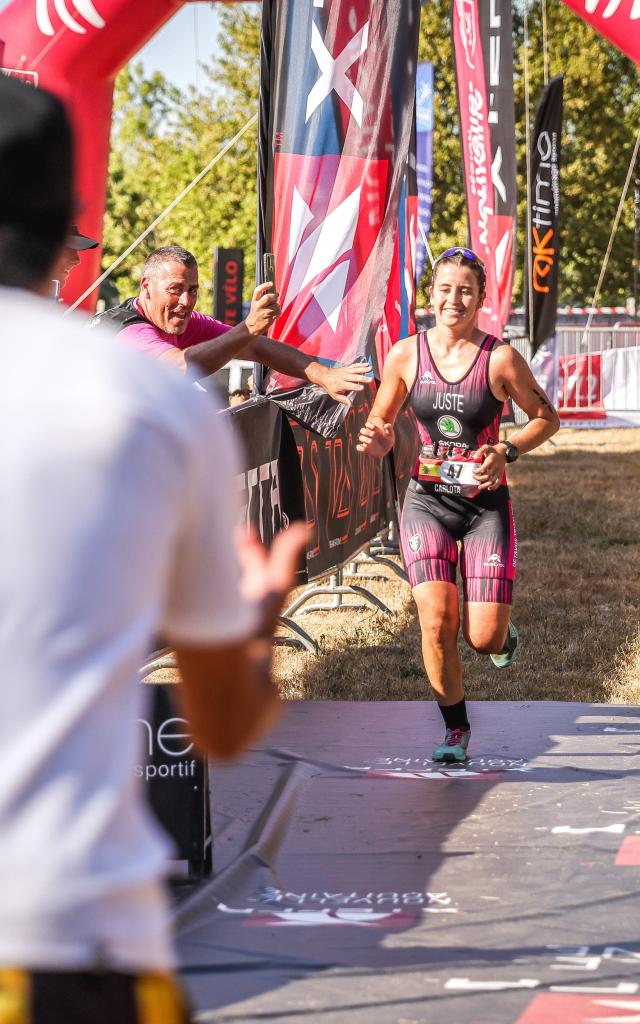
(433, 524)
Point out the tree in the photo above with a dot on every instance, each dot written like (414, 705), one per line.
(162, 137)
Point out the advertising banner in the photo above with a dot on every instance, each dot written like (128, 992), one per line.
(544, 216)
(228, 276)
(337, 85)
(176, 780)
(345, 500)
(484, 75)
(424, 160)
(271, 486)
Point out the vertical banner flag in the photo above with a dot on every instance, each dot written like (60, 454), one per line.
(483, 49)
(228, 276)
(336, 109)
(616, 20)
(544, 214)
(424, 156)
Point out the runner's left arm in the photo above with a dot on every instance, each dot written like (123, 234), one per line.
(511, 377)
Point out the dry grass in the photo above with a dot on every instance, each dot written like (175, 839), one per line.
(576, 601)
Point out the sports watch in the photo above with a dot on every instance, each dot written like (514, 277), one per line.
(510, 451)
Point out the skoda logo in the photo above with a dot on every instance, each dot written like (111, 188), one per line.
(449, 426)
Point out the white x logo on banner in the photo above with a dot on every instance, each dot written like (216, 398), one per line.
(334, 73)
(612, 7)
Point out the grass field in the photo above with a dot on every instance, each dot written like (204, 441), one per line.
(576, 602)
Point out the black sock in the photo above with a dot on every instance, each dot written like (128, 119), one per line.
(455, 715)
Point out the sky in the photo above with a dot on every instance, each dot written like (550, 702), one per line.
(175, 50)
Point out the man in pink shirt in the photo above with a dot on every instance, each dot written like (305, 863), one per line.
(162, 321)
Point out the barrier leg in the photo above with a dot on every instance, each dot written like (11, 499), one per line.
(300, 639)
(337, 591)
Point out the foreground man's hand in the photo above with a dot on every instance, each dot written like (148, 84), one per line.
(228, 694)
(269, 575)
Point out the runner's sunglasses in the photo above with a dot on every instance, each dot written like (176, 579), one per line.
(459, 250)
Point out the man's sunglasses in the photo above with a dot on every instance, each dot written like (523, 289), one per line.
(459, 250)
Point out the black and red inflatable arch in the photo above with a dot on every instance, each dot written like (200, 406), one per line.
(76, 48)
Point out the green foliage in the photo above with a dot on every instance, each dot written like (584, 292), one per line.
(163, 137)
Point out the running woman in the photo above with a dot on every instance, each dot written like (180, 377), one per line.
(457, 379)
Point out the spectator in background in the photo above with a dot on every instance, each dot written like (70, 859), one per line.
(239, 396)
(68, 259)
(116, 520)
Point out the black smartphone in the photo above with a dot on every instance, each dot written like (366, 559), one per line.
(269, 268)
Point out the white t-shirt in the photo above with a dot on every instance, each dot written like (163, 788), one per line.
(116, 521)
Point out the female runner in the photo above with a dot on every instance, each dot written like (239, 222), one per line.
(457, 379)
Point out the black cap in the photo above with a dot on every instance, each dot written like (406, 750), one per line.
(80, 242)
(36, 162)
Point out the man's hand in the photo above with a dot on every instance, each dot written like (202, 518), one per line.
(268, 576)
(264, 309)
(489, 473)
(338, 381)
(376, 440)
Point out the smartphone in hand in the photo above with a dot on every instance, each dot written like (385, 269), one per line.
(269, 268)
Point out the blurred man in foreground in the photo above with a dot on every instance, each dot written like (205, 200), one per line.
(115, 522)
(163, 322)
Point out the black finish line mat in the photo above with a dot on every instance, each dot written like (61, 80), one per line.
(357, 881)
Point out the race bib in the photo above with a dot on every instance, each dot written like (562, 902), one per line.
(450, 476)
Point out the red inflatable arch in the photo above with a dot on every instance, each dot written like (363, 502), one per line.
(76, 48)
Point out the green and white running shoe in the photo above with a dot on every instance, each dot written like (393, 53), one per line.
(508, 653)
(454, 746)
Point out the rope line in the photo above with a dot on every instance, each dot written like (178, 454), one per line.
(545, 47)
(165, 213)
(616, 221)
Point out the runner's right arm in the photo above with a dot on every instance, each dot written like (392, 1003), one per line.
(377, 436)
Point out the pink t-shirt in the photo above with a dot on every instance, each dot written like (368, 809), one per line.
(149, 339)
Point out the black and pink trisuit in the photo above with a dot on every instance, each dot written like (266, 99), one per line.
(443, 505)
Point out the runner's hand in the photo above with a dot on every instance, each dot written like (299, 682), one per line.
(489, 474)
(376, 441)
(264, 309)
(338, 381)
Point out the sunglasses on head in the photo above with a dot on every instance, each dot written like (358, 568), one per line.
(460, 250)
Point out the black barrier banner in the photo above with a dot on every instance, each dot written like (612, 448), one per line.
(271, 485)
(344, 496)
(175, 778)
(228, 276)
(544, 218)
(336, 106)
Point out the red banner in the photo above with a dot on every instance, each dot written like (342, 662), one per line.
(579, 387)
(616, 20)
(490, 235)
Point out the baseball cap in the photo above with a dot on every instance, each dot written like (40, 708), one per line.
(80, 242)
(36, 162)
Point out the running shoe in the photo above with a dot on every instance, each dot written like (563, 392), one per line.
(454, 746)
(508, 653)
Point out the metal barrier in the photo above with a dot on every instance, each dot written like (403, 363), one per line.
(589, 375)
